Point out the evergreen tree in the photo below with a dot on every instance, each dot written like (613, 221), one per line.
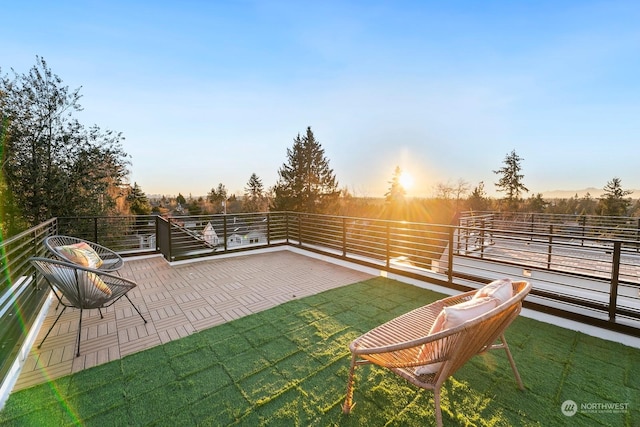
(254, 199)
(537, 203)
(396, 191)
(614, 201)
(306, 183)
(138, 201)
(510, 181)
(478, 200)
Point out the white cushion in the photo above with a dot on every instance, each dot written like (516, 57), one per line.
(501, 290)
(453, 316)
(456, 315)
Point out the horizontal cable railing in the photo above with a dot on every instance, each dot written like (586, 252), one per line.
(575, 226)
(21, 294)
(572, 260)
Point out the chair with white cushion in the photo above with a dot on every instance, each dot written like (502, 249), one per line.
(83, 288)
(84, 253)
(429, 344)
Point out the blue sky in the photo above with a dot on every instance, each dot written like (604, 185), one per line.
(209, 92)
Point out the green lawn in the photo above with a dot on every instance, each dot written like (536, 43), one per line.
(288, 366)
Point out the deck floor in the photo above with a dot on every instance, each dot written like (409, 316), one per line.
(177, 300)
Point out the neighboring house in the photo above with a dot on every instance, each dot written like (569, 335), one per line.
(240, 233)
(209, 235)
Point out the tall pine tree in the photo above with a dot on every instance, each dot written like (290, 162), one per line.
(306, 183)
(510, 181)
(254, 199)
(614, 201)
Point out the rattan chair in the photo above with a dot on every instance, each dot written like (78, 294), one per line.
(111, 261)
(404, 344)
(82, 288)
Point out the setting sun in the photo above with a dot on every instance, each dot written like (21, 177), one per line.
(406, 180)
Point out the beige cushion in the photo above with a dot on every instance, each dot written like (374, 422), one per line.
(501, 290)
(456, 315)
(450, 317)
(96, 281)
(81, 254)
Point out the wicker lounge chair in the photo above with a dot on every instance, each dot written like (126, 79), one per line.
(109, 260)
(82, 288)
(405, 345)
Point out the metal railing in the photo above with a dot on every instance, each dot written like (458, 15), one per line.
(575, 226)
(21, 297)
(576, 272)
(585, 271)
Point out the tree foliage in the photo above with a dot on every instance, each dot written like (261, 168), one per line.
(306, 183)
(218, 198)
(536, 203)
(478, 200)
(53, 165)
(510, 181)
(138, 201)
(396, 191)
(614, 201)
(254, 197)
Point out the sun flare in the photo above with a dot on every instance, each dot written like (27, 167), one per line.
(406, 180)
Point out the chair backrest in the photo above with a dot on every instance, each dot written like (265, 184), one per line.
(111, 261)
(82, 287)
(476, 335)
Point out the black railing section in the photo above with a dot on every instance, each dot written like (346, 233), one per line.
(586, 272)
(575, 226)
(21, 294)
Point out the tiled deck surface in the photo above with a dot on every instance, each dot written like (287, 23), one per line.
(177, 301)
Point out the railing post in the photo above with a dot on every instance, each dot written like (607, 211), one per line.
(388, 246)
(482, 225)
(549, 251)
(615, 273)
(268, 229)
(286, 224)
(95, 229)
(344, 237)
(450, 257)
(299, 229)
(170, 240)
(532, 226)
(224, 233)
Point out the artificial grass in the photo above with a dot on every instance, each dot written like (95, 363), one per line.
(288, 366)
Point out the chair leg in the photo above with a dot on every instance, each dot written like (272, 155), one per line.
(136, 308)
(436, 400)
(79, 329)
(348, 401)
(512, 362)
(54, 324)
